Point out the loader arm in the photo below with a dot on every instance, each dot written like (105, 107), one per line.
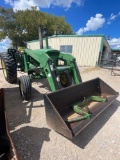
(45, 64)
(71, 61)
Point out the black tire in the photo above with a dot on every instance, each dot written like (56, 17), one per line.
(9, 67)
(25, 87)
(78, 73)
(65, 79)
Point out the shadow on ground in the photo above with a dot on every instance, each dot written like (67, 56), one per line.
(29, 141)
(19, 111)
(83, 138)
(42, 83)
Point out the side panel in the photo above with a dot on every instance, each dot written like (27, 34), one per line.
(85, 49)
(54, 120)
(7, 147)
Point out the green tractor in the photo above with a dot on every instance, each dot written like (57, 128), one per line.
(66, 115)
(59, 68)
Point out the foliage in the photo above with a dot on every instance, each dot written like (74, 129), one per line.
(22, 25)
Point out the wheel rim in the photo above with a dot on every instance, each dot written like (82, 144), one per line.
(63, 79)
(4, 68)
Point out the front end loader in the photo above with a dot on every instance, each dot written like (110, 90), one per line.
(69, 111)
(73, 104)
(60, 69)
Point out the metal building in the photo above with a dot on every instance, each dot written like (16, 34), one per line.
(89, 50)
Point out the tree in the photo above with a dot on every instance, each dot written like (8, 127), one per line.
(22, 25)
(6, 21)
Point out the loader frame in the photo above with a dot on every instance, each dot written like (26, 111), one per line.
(44, 63)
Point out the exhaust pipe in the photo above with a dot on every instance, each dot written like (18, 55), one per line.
(41, 33)
(40, 37)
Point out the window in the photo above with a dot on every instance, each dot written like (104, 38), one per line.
(66, 48)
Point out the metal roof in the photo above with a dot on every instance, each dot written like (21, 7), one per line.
(86, 35)
(116, 50)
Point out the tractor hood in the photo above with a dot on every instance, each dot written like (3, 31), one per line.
(41, 51)
(41, 55)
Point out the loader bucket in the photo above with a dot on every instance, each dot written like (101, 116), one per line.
(58, 105)
(7, 148)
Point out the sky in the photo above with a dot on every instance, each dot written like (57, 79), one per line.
(85, 16)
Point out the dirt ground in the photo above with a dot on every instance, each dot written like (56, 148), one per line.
(35, 140)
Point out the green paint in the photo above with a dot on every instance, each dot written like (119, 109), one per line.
(87, 100)
(77, 108)
(116, 50)
(50, 79)
(89, 35)
(43, 63)
(25, 62)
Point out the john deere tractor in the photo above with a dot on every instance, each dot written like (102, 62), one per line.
(68, 111)
(59, 68)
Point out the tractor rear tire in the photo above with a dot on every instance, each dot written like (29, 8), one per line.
(25, 87)
(65, 79)
(9, 67)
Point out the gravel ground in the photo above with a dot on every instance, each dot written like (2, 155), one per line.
(34, 140)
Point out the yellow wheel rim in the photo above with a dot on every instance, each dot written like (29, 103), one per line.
(63, 79)
(4, 68)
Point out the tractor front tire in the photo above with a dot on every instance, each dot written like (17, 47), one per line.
(9, 67)
(25, 87)
(65, 79)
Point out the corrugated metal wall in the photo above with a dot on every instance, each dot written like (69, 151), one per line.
(33, 45)
(85, 49)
